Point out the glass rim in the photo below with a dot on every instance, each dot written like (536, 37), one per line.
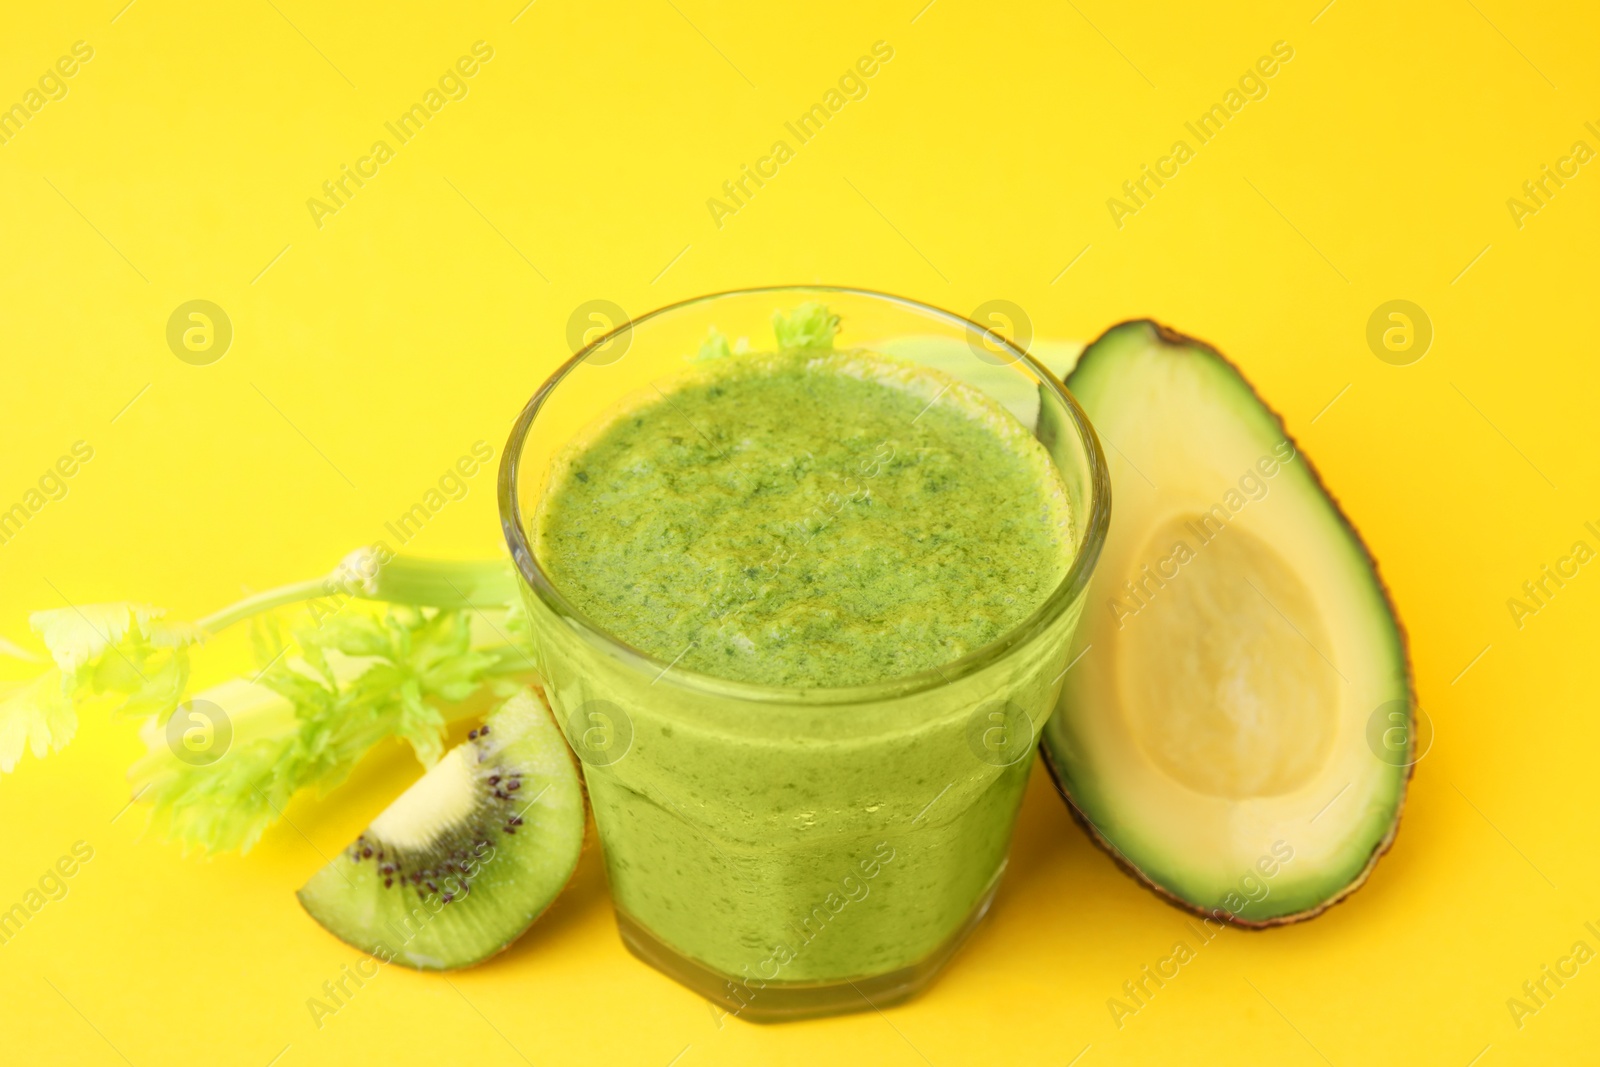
(1090, 542)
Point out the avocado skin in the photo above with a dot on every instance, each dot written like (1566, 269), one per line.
(1199, 349)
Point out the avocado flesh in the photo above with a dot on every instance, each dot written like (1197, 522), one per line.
(1237, 642)
(464, 861)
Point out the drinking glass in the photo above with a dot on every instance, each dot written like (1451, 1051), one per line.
(789, 852)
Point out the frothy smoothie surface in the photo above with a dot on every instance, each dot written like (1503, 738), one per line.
(806, 518)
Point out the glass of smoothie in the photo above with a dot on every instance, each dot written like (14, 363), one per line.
(801, 566)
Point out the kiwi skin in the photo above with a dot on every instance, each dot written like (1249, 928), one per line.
(389, 957)
(1201, 349)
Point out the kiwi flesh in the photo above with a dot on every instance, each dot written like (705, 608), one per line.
(467, 858)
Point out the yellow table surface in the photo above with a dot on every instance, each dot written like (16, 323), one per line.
(373, 349)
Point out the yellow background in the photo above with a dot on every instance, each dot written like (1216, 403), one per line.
(419, 318)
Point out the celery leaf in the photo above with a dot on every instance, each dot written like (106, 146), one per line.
(351, 681)
(810, 325)
(125, 655)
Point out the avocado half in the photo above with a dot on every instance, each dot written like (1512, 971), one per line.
(1238, 730)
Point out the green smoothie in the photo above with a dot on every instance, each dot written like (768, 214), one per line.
(805, 518)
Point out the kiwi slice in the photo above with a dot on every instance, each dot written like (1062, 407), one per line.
(467, 858)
